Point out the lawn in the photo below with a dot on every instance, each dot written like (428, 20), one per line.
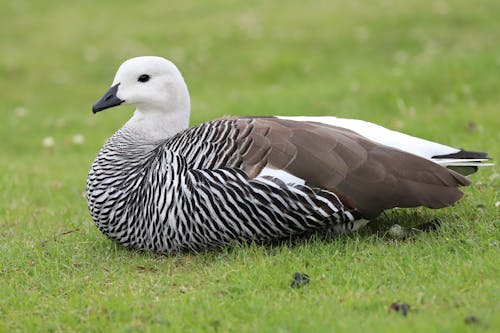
(429, 69)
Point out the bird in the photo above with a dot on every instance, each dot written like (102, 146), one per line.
(159, 185)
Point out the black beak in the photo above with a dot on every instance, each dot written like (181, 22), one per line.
(108, 100)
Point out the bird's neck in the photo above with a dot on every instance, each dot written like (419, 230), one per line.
(152, 126)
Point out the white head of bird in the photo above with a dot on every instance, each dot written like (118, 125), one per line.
(157, 89)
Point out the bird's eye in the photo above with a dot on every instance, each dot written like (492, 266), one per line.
(143, 78)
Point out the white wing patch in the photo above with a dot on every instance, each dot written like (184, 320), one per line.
(463, 162)
(282, 175)
(377, 133)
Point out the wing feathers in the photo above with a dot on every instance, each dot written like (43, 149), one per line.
(369, 176)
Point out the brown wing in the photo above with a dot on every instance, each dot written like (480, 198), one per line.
(366, 175)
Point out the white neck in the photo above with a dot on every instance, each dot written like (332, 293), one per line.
(152, 126)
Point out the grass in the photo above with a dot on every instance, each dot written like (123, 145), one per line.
(428, 69)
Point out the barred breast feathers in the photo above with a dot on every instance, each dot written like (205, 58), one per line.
(191, 192)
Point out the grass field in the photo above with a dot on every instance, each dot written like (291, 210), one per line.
(430, 69)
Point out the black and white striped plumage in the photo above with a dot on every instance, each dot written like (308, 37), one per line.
(187, 192)
(159, 185)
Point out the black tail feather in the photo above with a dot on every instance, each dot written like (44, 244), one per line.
(466, 155)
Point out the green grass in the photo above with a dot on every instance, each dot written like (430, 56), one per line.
(430, 69)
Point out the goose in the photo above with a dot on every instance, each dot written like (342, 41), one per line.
(159, 185)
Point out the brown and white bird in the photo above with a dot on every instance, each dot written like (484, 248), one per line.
(159, 185)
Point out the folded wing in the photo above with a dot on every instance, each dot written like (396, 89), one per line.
(366, 175)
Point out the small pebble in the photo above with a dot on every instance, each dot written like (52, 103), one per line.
(402, 308)
(397, 232)
(299, 280)
(472, 320)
